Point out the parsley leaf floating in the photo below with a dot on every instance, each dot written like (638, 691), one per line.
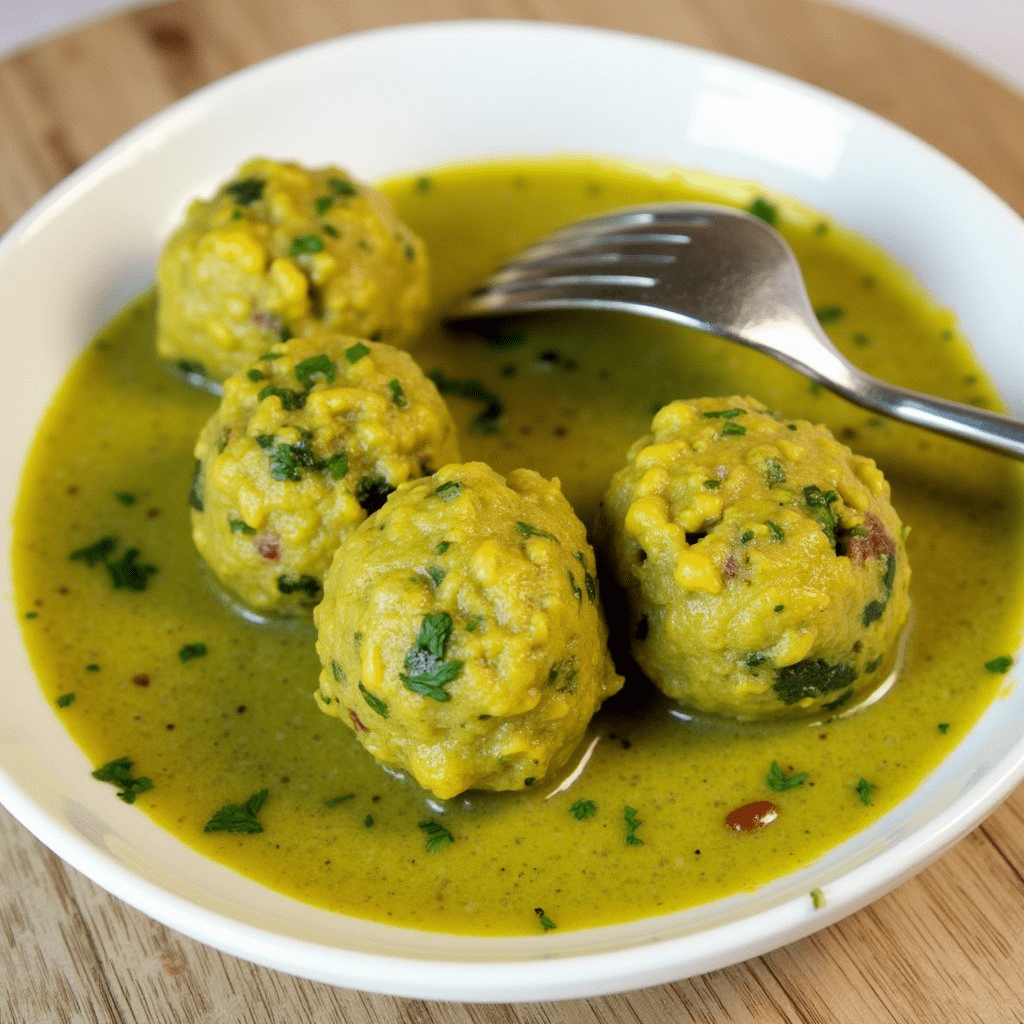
(864, 789)
(545, 922)
(119, 773)
(437, 835)
(239, 817)
(583, 809)
(778, 781)
(128, 573)
(93, 553)
(997, 665)
(632, 824)
(190, 651)
(427, 672)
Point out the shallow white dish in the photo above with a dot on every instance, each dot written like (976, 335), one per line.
(401, 99)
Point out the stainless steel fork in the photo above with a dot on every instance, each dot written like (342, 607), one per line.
(721, 271)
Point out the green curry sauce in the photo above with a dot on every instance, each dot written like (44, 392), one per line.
(191, 707)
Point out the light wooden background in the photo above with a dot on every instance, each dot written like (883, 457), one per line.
(946, 947)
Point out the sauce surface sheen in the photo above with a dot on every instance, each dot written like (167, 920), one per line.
(644, 829)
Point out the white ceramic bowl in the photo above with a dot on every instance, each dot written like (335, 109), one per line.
(407, 98)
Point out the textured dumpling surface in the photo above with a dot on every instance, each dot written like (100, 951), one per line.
(307, 441)
(761, 561)
(279, 251)
(460, 632)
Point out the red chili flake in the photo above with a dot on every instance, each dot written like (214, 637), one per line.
(141, 679)
(874, 545)
(267, 545)
(752, 816)
(356, 721)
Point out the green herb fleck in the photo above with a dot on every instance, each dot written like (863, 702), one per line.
(486, 422)
(427, 671)
(423, 184)
(589, 580)
(583, 809)
(65, 700)
(943, 727)
(322, 204)
(528, 530)
(368, 821)
(817, 899)
(829, 314)
(767, 211)
(713, 484)
(125, 498)
(397, 393)
(334, 801)
(241, 526)
(774, 472)
(119, 773)
(819, 505)
(94, 553)
(746, 536)
(778, 781)
(31, 615)
(545, 922)
(291, 400)
(448, 491)
(356, 352)
(864, 789)
(128, 573)
(632, 824)
(473, 624)
(999, 665)
(255, 375)
(337, 466)
(731, 427)
(436, 574)
(304, 584)
(306, 244)
(239, 817)
(437, 836)
(342, 187)
(775, 530)
(312, 367)
(725, 414)
(190, 651)
(375, 702)
(245, 190)
(443, 547)
(338, 672)
(574, 586)
(195, 491)
(811, 678)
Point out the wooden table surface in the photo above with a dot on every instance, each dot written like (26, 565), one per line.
(948, 946)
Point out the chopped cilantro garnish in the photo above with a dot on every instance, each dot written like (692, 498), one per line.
(65, 700)
(725, 414)
(427, 671)
(289, 397)
(778, 781)
(94, 553)
(713, 484)
(583, 809)
(304, 584)
(589, 580)
(239, 817)
(190, 651)
(356, 352)
(375, 702)
(337, 466)
(775, 530)
(473, 624)
(397, 393)
(576, 592)
(245, 190)
(731, 427)
(119, 773)
(633, 823)
(829, 314)
(240, 526)
(128, 573)
(746, 536)
(819, 505)
(817, 899)
(314, 366)
(195, 491)
(437, 836)
(372, 491)
(999, 665)
(864, 789)
(322, 204)
(287, 461)
(125, 497)
(306, 244)
(545, 922)
(811, 678)
(423, 184)
(943, 727)
(338, 672)
(774, 472)
(449, 490)
(255, 375)
(528, 530)
(341, 187)
(333, 801)
(767, 211)
(436, 573)
(443, 547)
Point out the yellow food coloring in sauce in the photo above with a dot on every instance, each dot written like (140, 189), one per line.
(644, 829)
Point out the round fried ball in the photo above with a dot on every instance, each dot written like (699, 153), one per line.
(280, 251)
(761, 562)
(460, 632)
(308, 441)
